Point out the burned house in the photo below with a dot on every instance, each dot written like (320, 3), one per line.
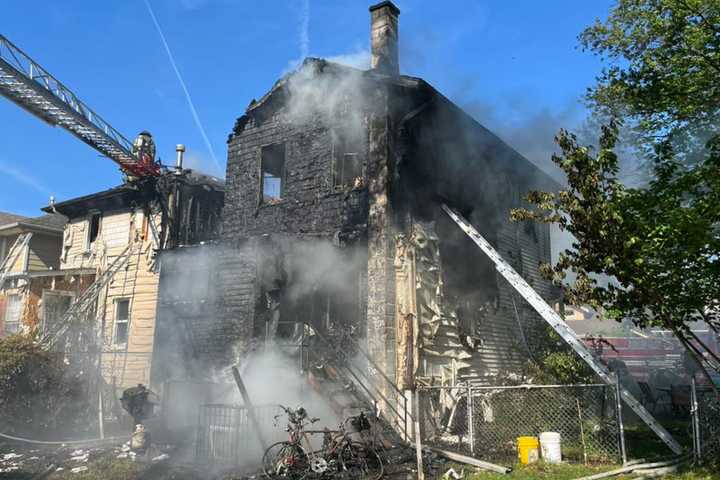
(117, 234)
(332, 225)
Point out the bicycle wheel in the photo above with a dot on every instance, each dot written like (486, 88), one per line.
(285, 460)
(360, 461)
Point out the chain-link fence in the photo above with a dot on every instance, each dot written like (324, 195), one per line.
(586, 416)
(705, 423)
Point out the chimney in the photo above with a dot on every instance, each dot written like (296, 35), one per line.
(384, 38)
(180, 149)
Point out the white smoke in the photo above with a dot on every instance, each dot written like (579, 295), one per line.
(359, 59)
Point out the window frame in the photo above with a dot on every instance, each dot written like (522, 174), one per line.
(125, 321)
(52, 293)
(282, 177)
(18, 321)
(339, 158)
(91, 216)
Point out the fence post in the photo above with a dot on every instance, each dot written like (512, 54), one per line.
(694, 418)
(405, 416)
(418, 440)
(471, 431)
(621, 428)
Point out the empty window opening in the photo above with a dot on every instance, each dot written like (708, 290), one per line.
(273, 172)
(93, 229)
(13, 309)
(348, 159)
(122, 321)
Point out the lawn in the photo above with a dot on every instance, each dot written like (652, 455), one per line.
(640, 442)
(568, 472)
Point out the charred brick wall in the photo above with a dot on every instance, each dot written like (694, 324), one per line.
(310, 204)
(311, 207)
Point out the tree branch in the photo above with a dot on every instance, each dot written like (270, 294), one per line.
(706, 348)
(698, 360)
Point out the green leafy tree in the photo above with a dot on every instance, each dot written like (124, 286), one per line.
(659, 244)
(663, 60)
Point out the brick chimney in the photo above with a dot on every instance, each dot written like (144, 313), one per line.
(384, 38)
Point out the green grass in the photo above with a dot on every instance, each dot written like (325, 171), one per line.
(541, 470)
(641, 442)
(568, 472)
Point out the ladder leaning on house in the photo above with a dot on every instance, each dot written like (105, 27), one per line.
(87, 300)
(20, 243)
(558, 324)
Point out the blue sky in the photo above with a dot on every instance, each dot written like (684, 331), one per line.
(516, 66)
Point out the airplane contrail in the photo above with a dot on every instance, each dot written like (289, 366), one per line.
(184, 87)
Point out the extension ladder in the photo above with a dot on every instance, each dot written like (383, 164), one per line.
(20, 243)
(558, 324)
(86, 300)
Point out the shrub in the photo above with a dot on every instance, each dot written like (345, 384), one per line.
(39, 394)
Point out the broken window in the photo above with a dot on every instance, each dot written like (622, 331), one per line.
(348, 159)
(54, 306)
(93, 229)
(122, 321)
(13, 310)
(273, 172)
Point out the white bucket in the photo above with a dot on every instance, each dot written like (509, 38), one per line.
(550, 447)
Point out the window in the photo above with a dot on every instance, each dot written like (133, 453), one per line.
(122, 321)
(54, 306)
(273, 172)
(12, 314)
(348, 164)
(3, 249)
(93, 229)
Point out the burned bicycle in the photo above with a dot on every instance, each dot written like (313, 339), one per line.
(343, 452)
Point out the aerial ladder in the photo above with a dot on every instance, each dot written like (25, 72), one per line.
(13, 254)
(558, 324)
(31, 87)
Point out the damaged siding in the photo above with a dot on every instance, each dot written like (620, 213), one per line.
(236, 305)
(31, 292)
(129, 364)
(123, 363)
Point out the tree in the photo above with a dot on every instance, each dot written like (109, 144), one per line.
(659, 244)
(664, 62)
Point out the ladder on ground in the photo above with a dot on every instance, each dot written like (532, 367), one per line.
(86, 301)
(14, 253)
(558, 324)
(31, 87)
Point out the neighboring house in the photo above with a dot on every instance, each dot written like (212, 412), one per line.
(34, 292)
(117, 234)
